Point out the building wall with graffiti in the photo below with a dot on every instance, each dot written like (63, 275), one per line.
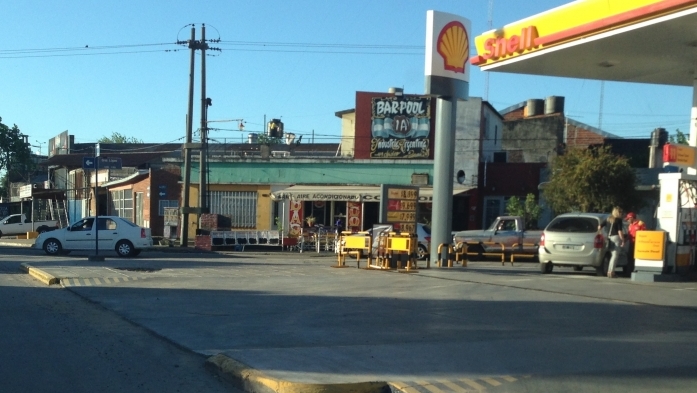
(394, 126)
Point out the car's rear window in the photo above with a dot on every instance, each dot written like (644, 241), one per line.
(128, 222)
(573, 225)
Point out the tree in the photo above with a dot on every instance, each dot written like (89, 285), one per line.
(679, 138)
(15, 154)
(530, 210)
(117, 137)
(591, 180)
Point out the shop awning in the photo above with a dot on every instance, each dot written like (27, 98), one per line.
(347, 193)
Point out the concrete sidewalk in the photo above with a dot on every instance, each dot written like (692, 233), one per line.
(288, 322)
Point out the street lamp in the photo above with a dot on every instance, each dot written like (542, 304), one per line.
(40, 145)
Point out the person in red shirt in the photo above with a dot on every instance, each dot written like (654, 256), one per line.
(634, 225)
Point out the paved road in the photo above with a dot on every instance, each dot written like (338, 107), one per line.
(485, 327)
(52, 340)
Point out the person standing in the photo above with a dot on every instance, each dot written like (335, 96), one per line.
(634, 225)
(616, 235)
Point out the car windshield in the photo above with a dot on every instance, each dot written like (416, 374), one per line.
(574, 225)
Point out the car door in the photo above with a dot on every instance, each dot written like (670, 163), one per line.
(80, 236)
(108, 233)
(506, 233)
(14, 226)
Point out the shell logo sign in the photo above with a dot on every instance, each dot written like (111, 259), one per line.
(454, 46)
(447, 54)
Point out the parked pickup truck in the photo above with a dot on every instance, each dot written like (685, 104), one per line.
(507, 233)
(18, 224)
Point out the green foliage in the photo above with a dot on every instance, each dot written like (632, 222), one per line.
(679, 138)
(117, 137)
(15, 154)
(264, 139)
(591, 180)
(530, 210)
(279, 223)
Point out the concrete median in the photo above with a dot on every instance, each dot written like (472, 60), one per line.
(251, 380)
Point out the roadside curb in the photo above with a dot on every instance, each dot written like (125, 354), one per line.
(16, 245)
(40, 275)
(251, 380)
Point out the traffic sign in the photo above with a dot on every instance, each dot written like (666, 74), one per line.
(104, 162)
(109, 162)
(88, 162)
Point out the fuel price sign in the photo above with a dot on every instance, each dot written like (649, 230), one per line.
(399, 207)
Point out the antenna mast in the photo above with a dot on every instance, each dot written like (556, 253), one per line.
(600, 111)
(489, 24)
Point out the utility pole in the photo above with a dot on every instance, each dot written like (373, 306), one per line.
(187, 146)
(186, 209)
(203, 153)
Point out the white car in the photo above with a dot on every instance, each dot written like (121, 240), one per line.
(573, 239)
(115, 233)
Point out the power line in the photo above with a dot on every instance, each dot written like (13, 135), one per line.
(245, 46)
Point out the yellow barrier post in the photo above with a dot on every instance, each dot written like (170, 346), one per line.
(352, 246)
(450, 254)
(522, 251)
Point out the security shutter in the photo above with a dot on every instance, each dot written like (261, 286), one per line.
(240, 206)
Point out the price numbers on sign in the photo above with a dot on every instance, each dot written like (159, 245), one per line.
(401, 216)
(399, 207)
(407, 227)
(407, 205)
(396, 193)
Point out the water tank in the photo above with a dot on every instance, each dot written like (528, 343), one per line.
(659, 137)
(275, 128)
(554, 104)
(252, 137)
(533, 108)
(289, 138)
(398, 91)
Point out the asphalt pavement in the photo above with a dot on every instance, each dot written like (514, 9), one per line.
(290, 322)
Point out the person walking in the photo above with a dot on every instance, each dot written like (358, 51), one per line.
(616, 235)
(634, 225)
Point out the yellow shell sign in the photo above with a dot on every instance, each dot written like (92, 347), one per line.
(453, 46)
(447, 46)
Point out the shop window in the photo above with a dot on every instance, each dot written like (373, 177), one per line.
(240, 206)
(122, 203)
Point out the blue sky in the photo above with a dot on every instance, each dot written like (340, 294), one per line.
(94, 67)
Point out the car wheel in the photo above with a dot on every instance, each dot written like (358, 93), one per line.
(604, 266)
(578, 268)
(124, 249)
(52, 247)
(422, 253)
(546, 268)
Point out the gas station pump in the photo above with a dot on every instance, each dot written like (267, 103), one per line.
(670, 250)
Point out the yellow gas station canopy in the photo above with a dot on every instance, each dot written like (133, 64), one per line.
(647, 41)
